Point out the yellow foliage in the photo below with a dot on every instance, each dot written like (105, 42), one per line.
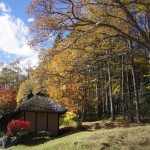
(69, 116)
(142, 7)
(116, 87)
(25, 88)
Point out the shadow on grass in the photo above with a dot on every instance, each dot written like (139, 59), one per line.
(31, 138)
(70, 130)
(112, 124)
(34, 141)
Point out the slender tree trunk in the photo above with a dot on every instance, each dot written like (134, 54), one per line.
(136, 95)
(89, 105)
(106, 98)
(110, 93)
(81, 105)
(135, 85)
(141, 83)
(129, 94)
(98, 97)
(122, 87)
(82, 110)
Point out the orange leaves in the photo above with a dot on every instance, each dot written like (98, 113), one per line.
(7, 97)
(66, 95)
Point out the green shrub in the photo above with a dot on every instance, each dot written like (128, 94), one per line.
(43, 134)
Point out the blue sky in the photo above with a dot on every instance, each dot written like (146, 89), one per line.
(18, 8)
(14, 32)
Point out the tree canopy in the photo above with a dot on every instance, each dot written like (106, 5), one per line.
(98, 65)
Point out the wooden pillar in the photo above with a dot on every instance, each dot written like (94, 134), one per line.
(47, 120)
(58, 125)
(35, 121)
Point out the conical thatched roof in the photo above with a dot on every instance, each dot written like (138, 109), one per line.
(41, 103)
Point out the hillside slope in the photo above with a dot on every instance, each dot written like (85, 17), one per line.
(114, 138)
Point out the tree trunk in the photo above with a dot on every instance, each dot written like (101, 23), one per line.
(98, 97)
(82, 110)
(135, 85)
(129, 94)
(122, 87)
(106, 98)
(110, 93)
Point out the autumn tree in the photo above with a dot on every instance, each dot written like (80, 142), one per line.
(7, 100)
(26, 87)
(122, 17)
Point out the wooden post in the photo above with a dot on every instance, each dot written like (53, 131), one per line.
(35, 121)
(47, 120)
(58, 124)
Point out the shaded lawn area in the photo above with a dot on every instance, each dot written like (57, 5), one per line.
(97, 125)
(97, 135)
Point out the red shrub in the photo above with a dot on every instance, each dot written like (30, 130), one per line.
(17, 126)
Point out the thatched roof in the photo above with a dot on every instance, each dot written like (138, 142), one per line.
(41, 103)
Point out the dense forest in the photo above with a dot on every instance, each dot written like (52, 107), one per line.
(94, 57)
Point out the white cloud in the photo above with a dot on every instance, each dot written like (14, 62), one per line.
(14, 35)
(4, 7)
(30, 19)
(32, 61)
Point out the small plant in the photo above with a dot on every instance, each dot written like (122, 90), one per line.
(43, 134)
(69, 115)
(69, 119)
(23, 133)
(17, 126)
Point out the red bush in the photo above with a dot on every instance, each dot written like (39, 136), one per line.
(17, 126)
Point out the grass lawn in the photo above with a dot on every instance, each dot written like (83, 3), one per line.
(98, 135)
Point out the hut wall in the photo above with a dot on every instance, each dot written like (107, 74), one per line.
(41, 121)
(31, 116)
(53, 124)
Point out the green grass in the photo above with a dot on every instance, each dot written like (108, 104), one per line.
(98, 136)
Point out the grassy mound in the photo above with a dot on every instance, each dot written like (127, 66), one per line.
(98, 136)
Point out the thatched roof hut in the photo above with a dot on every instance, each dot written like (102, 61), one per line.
(40, 110)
